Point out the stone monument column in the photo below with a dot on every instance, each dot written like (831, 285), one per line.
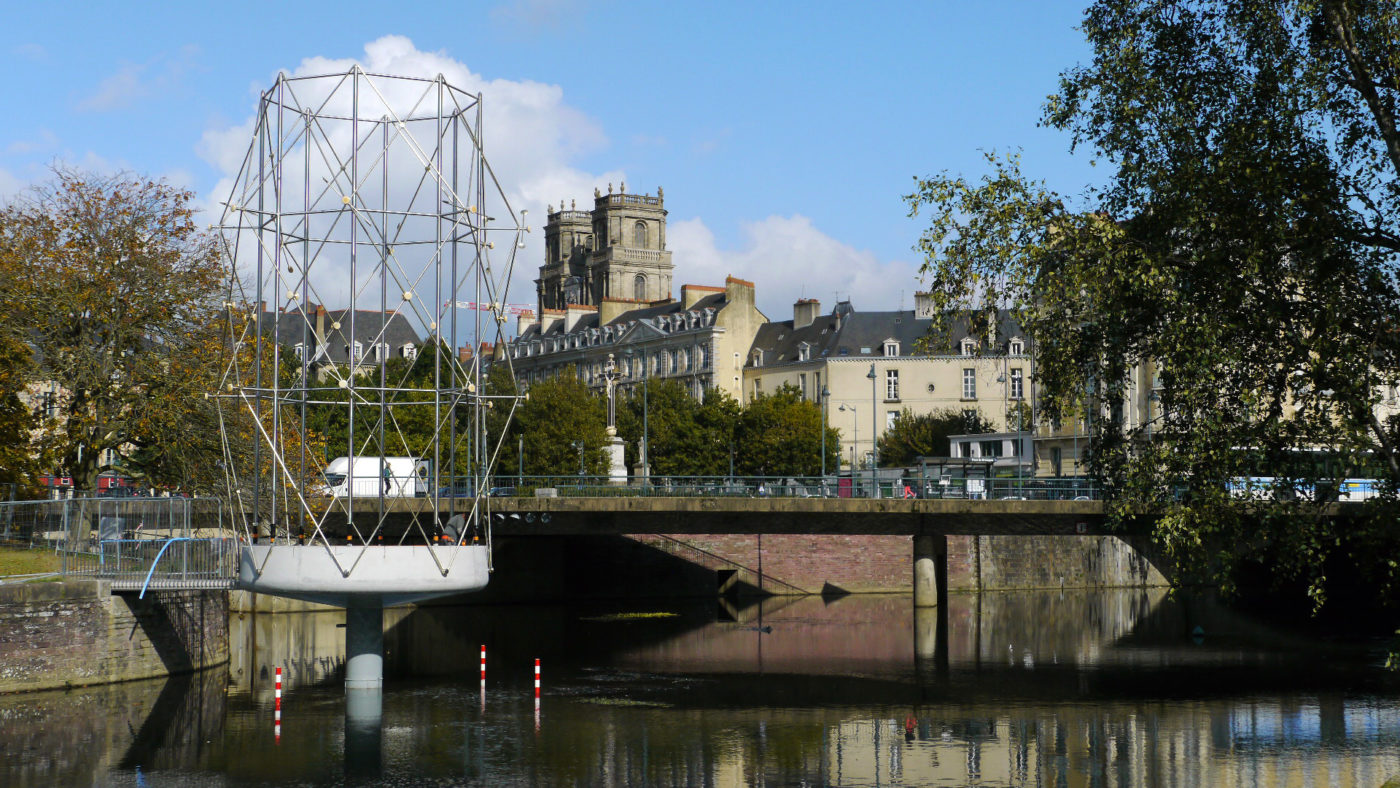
(617, 470)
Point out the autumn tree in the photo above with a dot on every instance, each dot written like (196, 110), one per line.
(1245, 247)
(118, 292)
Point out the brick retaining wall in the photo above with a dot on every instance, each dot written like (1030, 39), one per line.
(553, 567)
(77, 632)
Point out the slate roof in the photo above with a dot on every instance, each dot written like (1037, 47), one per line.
(292, 328)
(590, 320)
(845, 333)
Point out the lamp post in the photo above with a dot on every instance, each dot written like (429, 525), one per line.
(855, 435)
(874, 434)
(642, 450)
(579, 445)
(826, 392)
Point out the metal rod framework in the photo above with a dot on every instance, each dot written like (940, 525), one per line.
(360, 211)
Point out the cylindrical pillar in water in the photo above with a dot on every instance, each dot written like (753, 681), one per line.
(364, 643)
(927, 566)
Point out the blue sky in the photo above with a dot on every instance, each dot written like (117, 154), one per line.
(784, 134)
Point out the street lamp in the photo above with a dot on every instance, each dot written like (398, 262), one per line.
(642, 450)
(855, 435)
(874, 434)
(826, 392)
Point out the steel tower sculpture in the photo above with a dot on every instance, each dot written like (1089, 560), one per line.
(364, 204)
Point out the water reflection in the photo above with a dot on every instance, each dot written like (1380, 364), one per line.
(1055, 689)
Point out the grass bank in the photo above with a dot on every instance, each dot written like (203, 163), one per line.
(24, 561)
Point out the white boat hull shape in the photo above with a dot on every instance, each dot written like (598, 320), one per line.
(344, 575)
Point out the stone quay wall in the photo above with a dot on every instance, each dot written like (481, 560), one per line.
(77, 633)
(554, 567)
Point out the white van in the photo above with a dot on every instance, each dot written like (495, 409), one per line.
(396, 477)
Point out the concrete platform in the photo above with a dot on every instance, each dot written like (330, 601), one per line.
(341, 575)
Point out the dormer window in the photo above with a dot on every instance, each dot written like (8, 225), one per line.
(891, 347)
(381, 352)
(804, 352)
(1016, 348)
(358, 352)
(969, 347)
(757, 360)
(300, 350)
(410, 351)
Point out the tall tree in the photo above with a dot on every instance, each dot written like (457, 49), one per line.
(926, 434)
(1245, 247)
(118, 290)
(780, 434)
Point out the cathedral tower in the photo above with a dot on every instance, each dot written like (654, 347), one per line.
(618, 250)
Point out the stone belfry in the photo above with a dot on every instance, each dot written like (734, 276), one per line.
(617, 250)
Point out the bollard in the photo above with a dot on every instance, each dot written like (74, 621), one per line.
(277, 709)
(483, 664)
(537, 677)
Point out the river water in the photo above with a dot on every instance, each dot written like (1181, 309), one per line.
(1095, 688)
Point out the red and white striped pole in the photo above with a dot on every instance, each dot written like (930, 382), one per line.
(483, 664)
(537, 677)
(277, 708)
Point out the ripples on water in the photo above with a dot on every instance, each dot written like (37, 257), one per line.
(1109, 688)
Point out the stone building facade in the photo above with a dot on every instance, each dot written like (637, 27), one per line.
(616, 250)
(605, 290)
(988, 376)
(701, 339)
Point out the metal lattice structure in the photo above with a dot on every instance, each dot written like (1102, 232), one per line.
(370, 193)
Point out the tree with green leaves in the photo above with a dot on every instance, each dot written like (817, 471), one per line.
(780, 434)
(916, 435)
(556, 416)
(118, 293)
(1245, 247)
(685, 437)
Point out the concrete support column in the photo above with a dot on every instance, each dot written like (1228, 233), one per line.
(364, 643)
(364, 733)
(930, 564)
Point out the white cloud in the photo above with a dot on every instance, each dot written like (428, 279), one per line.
(119, 89)
(9, 185)
(531, 134)
(131, 83)
(31, 51)
(789, 258)
(45, 140)
(535, 14)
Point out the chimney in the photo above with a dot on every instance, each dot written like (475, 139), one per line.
(923, 306)
(523, 321)
(464, 355)
(738, 290)
(691, 294)
(548, 317)
(574, 312)
(805, 312)
(611, 309)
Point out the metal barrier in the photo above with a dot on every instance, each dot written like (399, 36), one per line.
(161, 543)
(886, 484)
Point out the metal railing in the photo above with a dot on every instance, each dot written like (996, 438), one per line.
(883, 485)
(163, 564)
(161, 543)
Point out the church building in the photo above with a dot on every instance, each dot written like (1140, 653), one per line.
(616, 250)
